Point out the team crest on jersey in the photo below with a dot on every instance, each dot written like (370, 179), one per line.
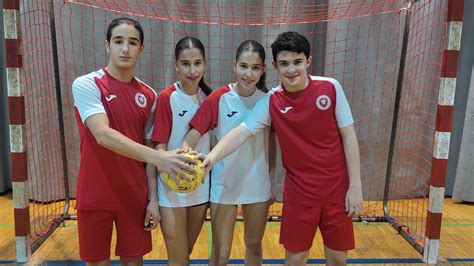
(140, 100)
(323, 102)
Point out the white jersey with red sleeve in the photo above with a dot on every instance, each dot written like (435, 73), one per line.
(307, 126)
(243, 176)
(174, 110)
(108, 180)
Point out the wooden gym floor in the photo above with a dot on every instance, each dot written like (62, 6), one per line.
(377, 243)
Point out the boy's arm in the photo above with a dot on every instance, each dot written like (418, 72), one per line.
(272, 149)
(272, 158)
(170, 162)
(227, 145)
(258, 119)
(152, 217)
(164, 147)
(351, 150)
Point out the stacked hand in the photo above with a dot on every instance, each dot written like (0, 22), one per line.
(207, 164)
(182, 164)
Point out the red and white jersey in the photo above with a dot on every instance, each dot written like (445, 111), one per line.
(107, 180)
(307, 126)
(243, 176)
(174, 110)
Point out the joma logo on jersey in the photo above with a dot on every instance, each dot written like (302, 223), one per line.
(231, 114)
(286, 109)
(182, 113)
(110, 97)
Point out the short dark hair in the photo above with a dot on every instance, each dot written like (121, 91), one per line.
(254, 47)
(124, 20)
(291, 41)
(189, 42)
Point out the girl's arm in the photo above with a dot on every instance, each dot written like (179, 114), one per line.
(191, 139)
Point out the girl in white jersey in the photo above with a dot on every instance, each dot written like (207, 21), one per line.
(243, 177)
(182, 214)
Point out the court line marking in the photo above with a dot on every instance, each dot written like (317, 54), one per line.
(275, 224)
(271, 261)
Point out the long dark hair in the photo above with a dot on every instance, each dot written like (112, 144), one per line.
(254, 47)
(124, 20)
(189, 43)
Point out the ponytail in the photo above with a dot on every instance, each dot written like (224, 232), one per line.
(261, 84)
(204, 87)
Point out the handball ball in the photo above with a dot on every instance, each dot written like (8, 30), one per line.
(183, 184)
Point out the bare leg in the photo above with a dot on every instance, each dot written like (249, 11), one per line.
(99, 263)
(223, 222)
(255, 220)
(131, 261)
(173, 227)
(296, 259)
(195, 219)
(334, 257)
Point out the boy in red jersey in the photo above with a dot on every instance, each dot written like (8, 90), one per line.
(114, 112)
(320, 153)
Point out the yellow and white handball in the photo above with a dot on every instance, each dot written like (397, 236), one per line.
(185, 185)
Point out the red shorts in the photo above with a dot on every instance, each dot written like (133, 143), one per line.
(95, 234)
(300, 223)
